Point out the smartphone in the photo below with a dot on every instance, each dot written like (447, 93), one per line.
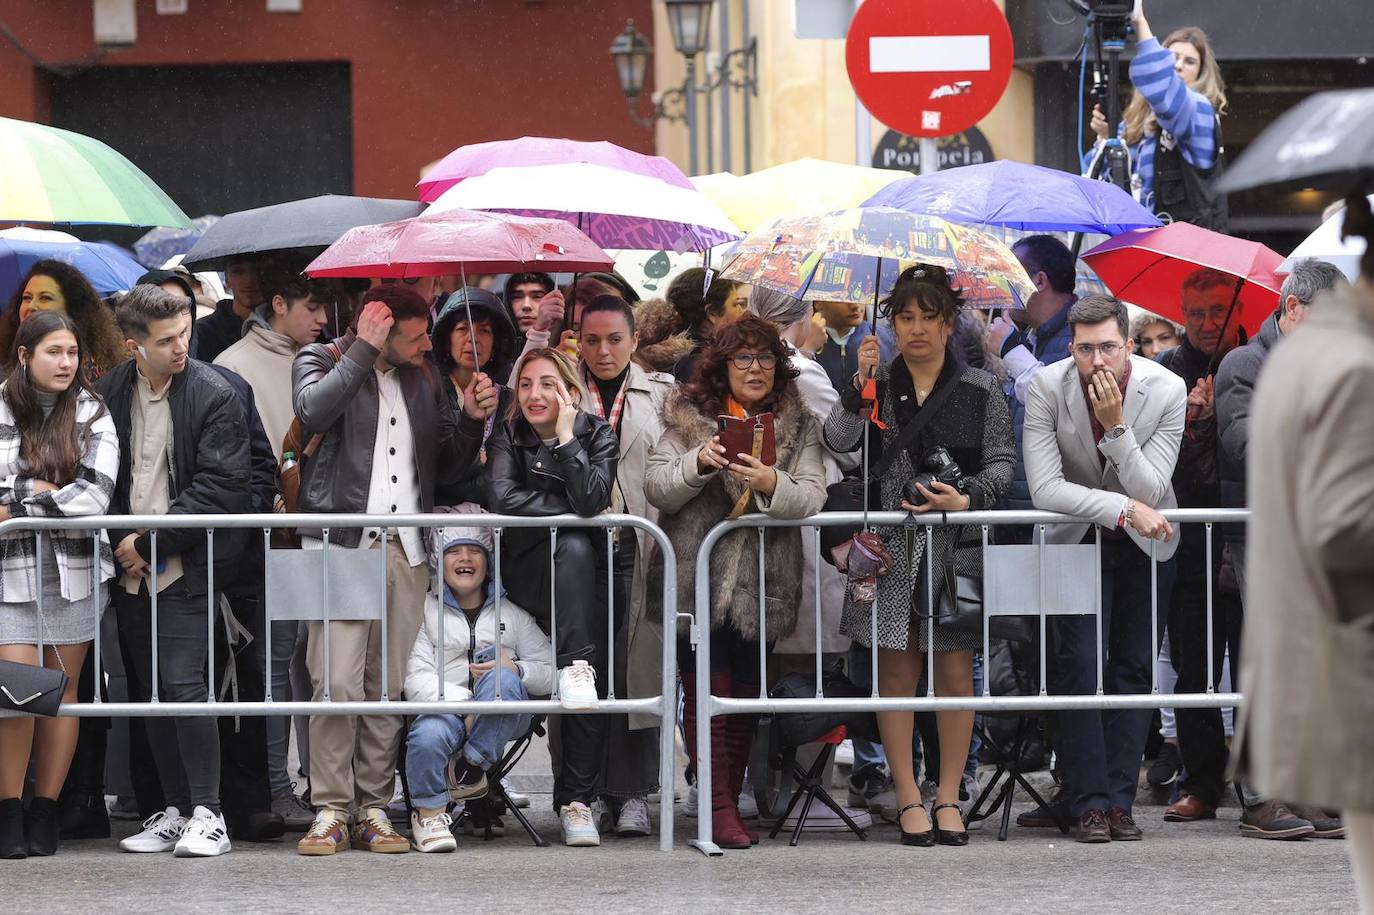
(484, 655)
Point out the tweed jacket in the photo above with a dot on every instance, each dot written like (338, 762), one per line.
(89, 494)
(690, 504)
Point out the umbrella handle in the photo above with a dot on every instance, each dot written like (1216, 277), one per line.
(1216, 354)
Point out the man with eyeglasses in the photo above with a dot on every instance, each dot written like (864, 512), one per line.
(1211, 329)
(1101, 440)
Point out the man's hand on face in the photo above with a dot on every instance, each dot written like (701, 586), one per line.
(1106, 398)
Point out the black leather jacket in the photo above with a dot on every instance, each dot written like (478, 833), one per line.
(211, 464)
(528, 477)
(340, 400)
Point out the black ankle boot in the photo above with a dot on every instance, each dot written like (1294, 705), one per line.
(13, 845)
(40, 825)
(83, 816)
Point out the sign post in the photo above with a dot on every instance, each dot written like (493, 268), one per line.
(929, 68)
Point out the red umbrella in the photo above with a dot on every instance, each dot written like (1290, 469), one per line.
(458, 242)
(1148, 267)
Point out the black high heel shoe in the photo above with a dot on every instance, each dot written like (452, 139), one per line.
(946, 836)
(919, 839)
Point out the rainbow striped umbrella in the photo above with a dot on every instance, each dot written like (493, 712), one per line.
(49, 175)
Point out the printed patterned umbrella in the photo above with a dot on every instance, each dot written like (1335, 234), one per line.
(49, 175)
(855, 256)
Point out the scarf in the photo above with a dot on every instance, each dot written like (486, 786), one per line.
(597, 405)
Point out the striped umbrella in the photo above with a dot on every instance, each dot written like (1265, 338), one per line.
(49, 175)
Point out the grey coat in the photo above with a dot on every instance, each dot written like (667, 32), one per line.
(1307, 663)
(692, 504)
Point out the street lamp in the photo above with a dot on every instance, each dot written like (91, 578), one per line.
(688, 20)
(631, 51)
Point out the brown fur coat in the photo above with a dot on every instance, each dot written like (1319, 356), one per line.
(691, 505)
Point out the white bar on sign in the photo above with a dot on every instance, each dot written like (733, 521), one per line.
(928, 53)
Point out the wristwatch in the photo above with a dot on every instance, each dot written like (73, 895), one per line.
(1115, 431)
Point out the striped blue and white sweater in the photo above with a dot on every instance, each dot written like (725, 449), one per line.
(1184, 113)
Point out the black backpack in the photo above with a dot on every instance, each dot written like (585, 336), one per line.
(1184, 193)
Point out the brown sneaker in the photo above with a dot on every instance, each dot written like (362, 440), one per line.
(1093, 828)
(1188, 809)
(1122, 826)
(1273, 820)
(374, 832)
(327, 835)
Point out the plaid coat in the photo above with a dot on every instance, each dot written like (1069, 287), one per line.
(88, 494)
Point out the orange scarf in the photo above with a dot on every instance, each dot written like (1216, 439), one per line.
(733, 407)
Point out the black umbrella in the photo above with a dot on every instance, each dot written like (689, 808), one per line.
(1326, 140)
(307, 226)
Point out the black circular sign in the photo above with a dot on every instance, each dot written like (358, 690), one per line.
(903, 153)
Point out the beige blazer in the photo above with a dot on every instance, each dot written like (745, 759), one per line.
(1063, 466)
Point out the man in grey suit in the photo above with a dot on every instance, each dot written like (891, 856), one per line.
(1101, 439)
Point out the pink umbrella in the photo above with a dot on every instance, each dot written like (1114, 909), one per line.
(480, 158)
(458, 241)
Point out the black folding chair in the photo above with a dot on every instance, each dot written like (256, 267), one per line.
(1009, 775)
(811, 787)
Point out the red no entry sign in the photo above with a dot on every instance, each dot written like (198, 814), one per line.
(929, 68)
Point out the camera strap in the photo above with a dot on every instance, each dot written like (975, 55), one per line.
(907, 434)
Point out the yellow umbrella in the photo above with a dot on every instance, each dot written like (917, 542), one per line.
(806, 187)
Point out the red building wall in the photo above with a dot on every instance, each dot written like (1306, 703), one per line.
(427, 75)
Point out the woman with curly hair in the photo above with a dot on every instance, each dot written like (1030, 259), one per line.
(54, 286)
(744, 371)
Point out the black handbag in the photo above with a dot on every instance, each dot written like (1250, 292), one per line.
(789, 730)
(31, 689)
(959, 605)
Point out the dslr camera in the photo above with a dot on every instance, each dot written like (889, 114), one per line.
(935, 465)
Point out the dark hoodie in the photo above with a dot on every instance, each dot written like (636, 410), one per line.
(472, 486)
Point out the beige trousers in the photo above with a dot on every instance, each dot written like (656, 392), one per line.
(1359, 832)
(353, 757)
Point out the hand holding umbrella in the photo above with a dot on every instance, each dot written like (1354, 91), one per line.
(479, 397)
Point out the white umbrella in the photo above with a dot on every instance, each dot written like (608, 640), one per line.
(617, 209)
(1325, 244)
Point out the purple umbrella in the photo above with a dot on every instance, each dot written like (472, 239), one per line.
(1018, 196)
(479, 158)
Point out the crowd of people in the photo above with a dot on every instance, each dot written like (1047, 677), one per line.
(417, 400)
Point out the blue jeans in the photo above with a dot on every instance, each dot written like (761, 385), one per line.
(434, 739)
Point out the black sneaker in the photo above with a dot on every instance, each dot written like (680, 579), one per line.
(1164, 771)
(866, 784)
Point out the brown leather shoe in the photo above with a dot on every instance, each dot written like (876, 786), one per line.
(1188, 809)
(1093, 828)
(1273, 820)
(1122, 826)
(1044, 817)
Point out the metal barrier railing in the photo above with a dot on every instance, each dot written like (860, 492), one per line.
(708, 706)
(664, 706)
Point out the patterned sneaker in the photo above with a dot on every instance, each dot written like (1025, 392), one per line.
(205, 836)
(579, 829)
(465, 781)
(160, 833)
(374, 832)
(327, 835)
(432, 834)
(634, 818)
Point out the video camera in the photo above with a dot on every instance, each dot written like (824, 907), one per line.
(1110, 24)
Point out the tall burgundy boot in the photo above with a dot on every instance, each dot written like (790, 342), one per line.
(727, 828)
(740, 740)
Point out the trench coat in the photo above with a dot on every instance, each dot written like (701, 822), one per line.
(1307, 656)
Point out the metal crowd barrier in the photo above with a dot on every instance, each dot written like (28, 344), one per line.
(1049, 558)
(281, 602)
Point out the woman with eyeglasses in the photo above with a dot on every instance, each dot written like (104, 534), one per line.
(743, 372)
(971, 425)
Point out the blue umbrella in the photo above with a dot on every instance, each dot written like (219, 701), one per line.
(1018, 196)
(157, 246)
(108, 269)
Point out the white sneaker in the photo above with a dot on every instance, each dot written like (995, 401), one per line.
(432, 834)
(516, 798)
(689, 806)
(634, 818)
(577, 686)
(205, 836)
(844, 753)
(748, 807)
(160, 833)
(579, 828)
